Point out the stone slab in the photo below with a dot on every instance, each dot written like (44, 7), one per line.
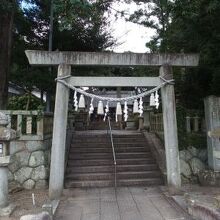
(109, 59)
(7, 211)
(114, 81)
(126, 203)
(4, 161)
(51, 207)
(41, 216)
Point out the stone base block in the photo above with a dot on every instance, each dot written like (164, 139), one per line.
(130, 125)
(51, 207)
(41, 216)
(7, 211)
(209, 178)
(202, 212)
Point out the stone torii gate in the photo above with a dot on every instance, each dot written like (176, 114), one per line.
(64, 60)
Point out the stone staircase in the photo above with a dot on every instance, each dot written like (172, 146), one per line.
(101, 125)
(90, 162)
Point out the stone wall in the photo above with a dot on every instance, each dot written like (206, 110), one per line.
(192, 162)
(29, 167)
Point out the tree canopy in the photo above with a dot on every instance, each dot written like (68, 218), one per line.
(190, 26)
(78, 26)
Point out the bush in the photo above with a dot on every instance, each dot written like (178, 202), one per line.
(25, 102)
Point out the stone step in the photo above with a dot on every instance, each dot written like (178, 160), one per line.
(109, 155)
(90, 161)
(107, 136)
(102, 162)
(106, 139)
(129, 136)
(110, 168)
(96, 145)
(109, 183)
(107, 149)
(110, 176)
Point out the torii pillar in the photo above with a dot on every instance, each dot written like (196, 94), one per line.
(65, 59)
(170, 130)
(59, 135)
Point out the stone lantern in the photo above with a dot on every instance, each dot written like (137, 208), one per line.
(6, 135)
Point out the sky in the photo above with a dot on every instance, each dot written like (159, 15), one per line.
(132, 37)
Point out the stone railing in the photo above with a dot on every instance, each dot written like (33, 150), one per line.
(195, 124)
(156, 122)
(30, 125)
(30, 152)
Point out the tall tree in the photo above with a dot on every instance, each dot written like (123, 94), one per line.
(191, 27)
(7, 8)
(195, 28)
(154, 14)
(83, 24)
(78, 26)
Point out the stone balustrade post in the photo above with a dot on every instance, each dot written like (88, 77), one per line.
(196, 124)
(6, 135)
(141, 123)
(146, 116)
(212, 117)
(188, 126)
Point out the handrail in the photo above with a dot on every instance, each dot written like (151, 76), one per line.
(113, 150)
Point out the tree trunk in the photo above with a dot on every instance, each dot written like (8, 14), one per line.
(6, 26)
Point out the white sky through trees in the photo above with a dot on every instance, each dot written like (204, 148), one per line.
(129, 36)
(132, 37)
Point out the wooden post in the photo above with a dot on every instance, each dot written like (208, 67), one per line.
(170, 129)
(59, 136)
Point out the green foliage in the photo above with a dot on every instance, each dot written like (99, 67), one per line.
(157, 16)
(8, 5)
(195, 28)
(197, 140)
(190, 27)
(84, 12)
(21, 102)
(78, 26)
(83, 25)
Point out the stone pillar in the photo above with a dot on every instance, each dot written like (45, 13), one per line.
(6, 135)
(59, 136)
(212, 117)
(118, 93)
(147, 118)
(170, 129)
(3, 186)
(188, 125)
(196, 124)
(141, 123)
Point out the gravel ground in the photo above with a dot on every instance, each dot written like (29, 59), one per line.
(23, 201)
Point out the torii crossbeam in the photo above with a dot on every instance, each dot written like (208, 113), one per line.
(64, 60)
(109, 59)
